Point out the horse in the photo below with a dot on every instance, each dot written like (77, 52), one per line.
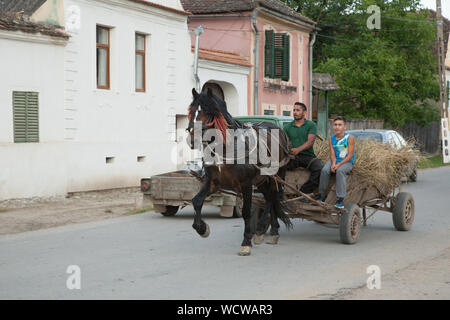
(211, 112)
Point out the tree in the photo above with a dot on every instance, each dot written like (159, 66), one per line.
(389, 73)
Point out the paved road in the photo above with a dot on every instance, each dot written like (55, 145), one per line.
(148, 256)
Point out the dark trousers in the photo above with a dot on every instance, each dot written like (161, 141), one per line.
(314, 165)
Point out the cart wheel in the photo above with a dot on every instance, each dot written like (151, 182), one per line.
(350, 224)
(170, 211)
(257, 213)
(403, 211)
(413, 176)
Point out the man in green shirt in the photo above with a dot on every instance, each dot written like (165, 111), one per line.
(302, 134)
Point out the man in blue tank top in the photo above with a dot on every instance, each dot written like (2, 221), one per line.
(342, 153)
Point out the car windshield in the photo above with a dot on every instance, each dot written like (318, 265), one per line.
(362, 135)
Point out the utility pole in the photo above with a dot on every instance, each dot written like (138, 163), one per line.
(443, 101)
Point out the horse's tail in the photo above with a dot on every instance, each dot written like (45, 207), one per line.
(280, 209)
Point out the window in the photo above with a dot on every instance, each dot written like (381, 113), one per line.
(140, 62)
(276, 55)
(403, 143)
(26, 116)
(103, 48)
(268, 112)
(287, 113)
(393, 141)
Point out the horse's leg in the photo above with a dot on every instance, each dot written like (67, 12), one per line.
(274, 225)
(199, 225)
(261, 225)
(246, 245)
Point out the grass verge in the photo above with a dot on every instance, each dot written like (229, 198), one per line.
(432, 162)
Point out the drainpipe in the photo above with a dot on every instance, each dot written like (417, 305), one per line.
(255, 94)
(311, 44)
(198, 31)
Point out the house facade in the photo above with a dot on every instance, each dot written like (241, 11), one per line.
(91, 104)
(271, 36)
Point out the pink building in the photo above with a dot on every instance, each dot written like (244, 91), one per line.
(280, 67)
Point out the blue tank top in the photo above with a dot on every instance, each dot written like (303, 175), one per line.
(340, 147)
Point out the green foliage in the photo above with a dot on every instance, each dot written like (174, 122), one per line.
(432, 162)
(389, 73)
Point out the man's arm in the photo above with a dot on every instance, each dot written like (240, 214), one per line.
(308, 144)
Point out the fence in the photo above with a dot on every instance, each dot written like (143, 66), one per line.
(427, 137)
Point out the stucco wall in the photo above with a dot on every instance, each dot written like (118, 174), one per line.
(37, 67)
(80, 125)
(120, 122)
(235, 34)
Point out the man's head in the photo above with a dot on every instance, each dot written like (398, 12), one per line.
(299, 111)
(339, 125)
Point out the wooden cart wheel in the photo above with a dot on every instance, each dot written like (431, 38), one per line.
(403, 211)
(170, 211)
(350, 224)
(257, 213)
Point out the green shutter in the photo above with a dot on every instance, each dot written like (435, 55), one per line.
(20, 116)
(269, 55)
(26, 116)
(286, 58)
(279, 54)
(32, 117)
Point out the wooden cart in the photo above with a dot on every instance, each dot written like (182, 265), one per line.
(361, 196)
(172, 190)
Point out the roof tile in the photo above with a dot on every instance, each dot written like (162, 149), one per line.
(229, 6)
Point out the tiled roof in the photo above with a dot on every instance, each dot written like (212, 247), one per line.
(157, 5)
(27, 6)
(223, 56)
(228, 6)
(324, 81)
(16, 22)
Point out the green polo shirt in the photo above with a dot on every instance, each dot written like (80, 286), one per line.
(299, 135)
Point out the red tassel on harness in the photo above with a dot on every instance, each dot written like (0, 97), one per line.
(221, 124)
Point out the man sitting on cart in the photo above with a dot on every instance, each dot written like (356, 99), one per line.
(302, 134)
(342, 154)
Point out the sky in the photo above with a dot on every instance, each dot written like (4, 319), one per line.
(431, 4)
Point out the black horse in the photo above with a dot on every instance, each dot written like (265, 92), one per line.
(210, 112)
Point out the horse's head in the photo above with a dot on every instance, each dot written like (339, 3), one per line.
(204, 111)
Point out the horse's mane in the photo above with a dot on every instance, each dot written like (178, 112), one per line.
(216, 108)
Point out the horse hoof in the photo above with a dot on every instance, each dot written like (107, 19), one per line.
(245, 251)
(273, 240)
(258, 238)
(207, 232)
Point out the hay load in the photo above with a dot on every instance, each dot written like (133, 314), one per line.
(376, 163)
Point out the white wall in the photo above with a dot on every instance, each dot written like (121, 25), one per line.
(81, 125)
(119, 122)
(29, 169)
(233, 81)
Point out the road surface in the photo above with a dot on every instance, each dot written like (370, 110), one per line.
(148, 256)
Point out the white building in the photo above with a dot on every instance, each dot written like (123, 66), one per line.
(109, 92)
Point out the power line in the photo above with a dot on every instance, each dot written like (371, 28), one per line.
(371, 42)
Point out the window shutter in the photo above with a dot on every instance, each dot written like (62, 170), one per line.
(269, 55)
(278, 55)
(32, 117)
(286, 58)
(20, 116)
(26, 116)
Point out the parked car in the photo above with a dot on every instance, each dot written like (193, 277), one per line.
(280, 121)
(391, 137)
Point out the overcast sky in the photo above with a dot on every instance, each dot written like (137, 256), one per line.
(431, 4)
